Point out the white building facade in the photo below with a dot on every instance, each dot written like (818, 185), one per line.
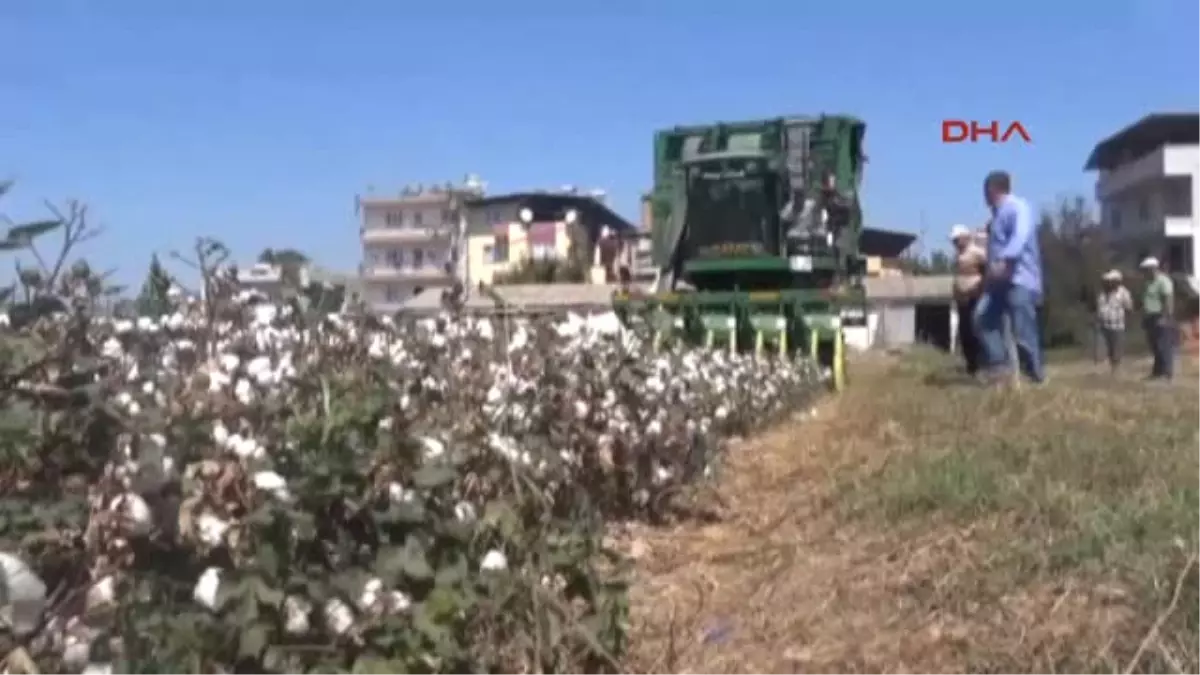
(412, 241)
(1147, 189)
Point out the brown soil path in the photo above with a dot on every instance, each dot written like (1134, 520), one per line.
(785, 582)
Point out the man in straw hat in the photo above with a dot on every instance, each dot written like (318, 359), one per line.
(1112, 305)
(1012, 289)
(970, 264)
(1158, 305)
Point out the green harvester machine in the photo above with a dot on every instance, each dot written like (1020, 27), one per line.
(755, 231)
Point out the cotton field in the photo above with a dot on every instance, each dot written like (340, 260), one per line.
(240, 485)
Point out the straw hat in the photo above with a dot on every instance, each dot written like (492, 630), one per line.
(1111, 275)
(1150, 263)
(959, 231)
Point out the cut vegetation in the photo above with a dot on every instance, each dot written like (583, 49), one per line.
(918, 525)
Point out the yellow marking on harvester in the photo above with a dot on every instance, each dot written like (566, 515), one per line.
(839, 362)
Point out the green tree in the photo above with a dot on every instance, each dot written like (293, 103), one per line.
(290, 263)
(1075, 254)
(153, 299)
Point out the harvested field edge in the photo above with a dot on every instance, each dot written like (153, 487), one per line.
(971, 537)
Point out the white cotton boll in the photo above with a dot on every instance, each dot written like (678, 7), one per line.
(205, 591)
(464, 511)
(134, 408)
(220, 433)
(102, 593)
(244, 391)
(121, 326)
(77, 649)
(494, 561)
(217, 381)
(175, 321)
(22, 595)
(662, 474)
(398, 601)
(581, 410)
(124, 399)
(211, 529)
(519, 340)
(338, 616)
(259, 364)
(398, 494)
(247, 448)
(147, 387)
(112, 348)
(228, 362)
(654, 428)
(135, 513)
(372, 591)
(433, 447)
(506, 447)
(264, 314)
(269, 481)
(296, 611)
(99, 668)
(145, 323)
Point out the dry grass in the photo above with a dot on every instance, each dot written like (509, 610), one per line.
(916, 525)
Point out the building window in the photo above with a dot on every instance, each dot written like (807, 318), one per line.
(395, 258)
(1177, 197)
(394, 218)
(417, 218)
(1114, 218)
(500, 249)
(418, 258)
(448, 217)
(392, 294)
(1144, 210)
(489, 253)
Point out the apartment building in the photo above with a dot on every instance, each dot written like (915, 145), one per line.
(1147, 189)
(411, 241)
(504, 230)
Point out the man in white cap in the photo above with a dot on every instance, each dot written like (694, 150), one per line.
(970, 264)
(1158, 310)
(1112, 305)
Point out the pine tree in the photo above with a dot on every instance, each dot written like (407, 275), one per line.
(153, 300)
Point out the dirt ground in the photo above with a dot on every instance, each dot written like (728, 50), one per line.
(919, 524)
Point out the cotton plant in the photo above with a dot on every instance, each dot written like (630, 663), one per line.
(360, 482)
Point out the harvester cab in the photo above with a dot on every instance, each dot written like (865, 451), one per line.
(756, 226)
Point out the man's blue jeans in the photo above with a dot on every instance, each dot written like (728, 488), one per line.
(1018, 305)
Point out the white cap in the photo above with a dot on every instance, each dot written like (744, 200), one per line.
(1149, 263)
(1112, 275)
(959, 231)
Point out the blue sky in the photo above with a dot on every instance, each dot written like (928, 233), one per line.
(257, 121)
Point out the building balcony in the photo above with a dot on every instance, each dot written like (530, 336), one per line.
(380, 273)
(1161, 163)
(414, 235)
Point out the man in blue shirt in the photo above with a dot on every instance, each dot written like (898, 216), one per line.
(1013, 285)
